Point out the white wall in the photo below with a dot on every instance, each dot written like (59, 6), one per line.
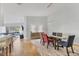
(37, 21)
(2, 29)
(65, 19)
(1, 16)
(16, 14)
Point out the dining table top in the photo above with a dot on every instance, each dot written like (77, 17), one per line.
(5, 40)
(57, 37)
(4, 37)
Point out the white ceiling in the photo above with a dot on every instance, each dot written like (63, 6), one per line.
(26, 9)
(39, 5)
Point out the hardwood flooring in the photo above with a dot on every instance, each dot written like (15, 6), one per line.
(50, 51)
(35, 48)
(24, 48)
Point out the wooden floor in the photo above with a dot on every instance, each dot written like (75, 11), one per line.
(34, 48)
(50, 51)
(24, 48)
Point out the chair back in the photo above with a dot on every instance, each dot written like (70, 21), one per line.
(45, 37)
(41, 35)
(70, 40)
(54, 33)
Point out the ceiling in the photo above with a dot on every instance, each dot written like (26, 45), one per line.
(28, 9)
(40, 5)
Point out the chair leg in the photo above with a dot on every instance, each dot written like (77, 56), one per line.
(43, 43)
(47, 44)
(40, 41)
(55, 44)
(10, 48)
(67, 51)
(3, 50)
(12, 44)
(72, 49)
(6, 51)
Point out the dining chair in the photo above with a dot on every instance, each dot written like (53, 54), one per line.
(68, 43)
(60, 35)
(47, 40)
(54, 33)
(1, 49)
(6, 45)
(41, 37)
